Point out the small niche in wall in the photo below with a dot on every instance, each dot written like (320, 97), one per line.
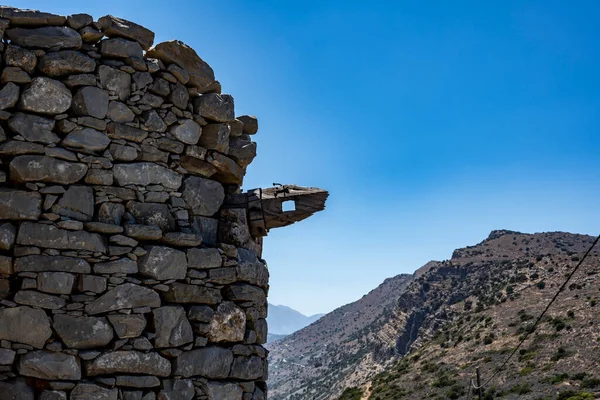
(288, 205)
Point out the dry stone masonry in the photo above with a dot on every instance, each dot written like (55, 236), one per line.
(130, 261)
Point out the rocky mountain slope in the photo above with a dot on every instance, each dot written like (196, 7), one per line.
(284, 320)
(306, 364)
(470, 311)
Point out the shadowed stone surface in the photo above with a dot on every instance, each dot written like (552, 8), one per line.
(38, 263)
(33, 128)
(45, 37)
(172, 327)
(65, 63)
(20, 205)
(210, 362)
(49, 366)
(127, 326)
(177, 52)
(46, 169)
(25, 325)
(163, 263)
(127, 295)
(83, 332)
(146, 174)
(119, 27)
(89, 391)
(129, 362)
(203, 196)
(46, 96)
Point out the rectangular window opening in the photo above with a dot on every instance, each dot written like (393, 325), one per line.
(288, 205)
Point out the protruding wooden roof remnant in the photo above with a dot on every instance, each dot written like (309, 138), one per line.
(278, 206)
(284, 205)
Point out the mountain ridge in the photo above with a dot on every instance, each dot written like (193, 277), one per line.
(502, 269)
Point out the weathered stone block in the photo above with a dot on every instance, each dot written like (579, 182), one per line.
(83, 332)
(8, 233)
(128, 326)
(172, 327)
(55, 282)
(163, 263)
(144, 174)
(45, 96)
(127, 295)
(215, 107)
(215, 137)
(66, 62)
(187, 132)
(203, 196)
(228, 323)
(154, 214)
(129, 362)
(25, 325)
(49, 366)
(208, 362)
(89, 391)
(119, 27)
(46, 169)
(224, 390)
(43, 235)
(33, 128)
(176, 52)
(39, 263)
(20, 205)
(76, 203)
(183, 293)
(19, 17)
(40, 300)
(48, 37)
(91, 101)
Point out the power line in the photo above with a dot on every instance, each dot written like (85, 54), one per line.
(529, 331)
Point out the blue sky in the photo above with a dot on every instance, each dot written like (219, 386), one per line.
(430, 122)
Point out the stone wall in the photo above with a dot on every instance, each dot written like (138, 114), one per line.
(122, 274)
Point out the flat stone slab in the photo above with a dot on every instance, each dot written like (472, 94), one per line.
(83, 332)
(129, 362)
(39, 263)
(20, 205)
(128, 326)
(66, 62)
(28, 168)
(48, 37)
(119, 27)
(172, 327)
(163, 263)
(203, 196)
(208, 362)
(46, 96)
(191, 294)
(87, 138)
(89, 391)
(49, 366)
(201, 74)
(127, 295)
(49, 236)
(21, 17)
(41, 300)
(25, 325)
(146, 173)
(33, 128)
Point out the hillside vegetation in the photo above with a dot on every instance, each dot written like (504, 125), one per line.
(471, 311)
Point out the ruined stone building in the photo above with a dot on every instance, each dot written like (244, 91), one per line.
(130, 259)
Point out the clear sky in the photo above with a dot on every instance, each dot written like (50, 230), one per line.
(430, 122)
